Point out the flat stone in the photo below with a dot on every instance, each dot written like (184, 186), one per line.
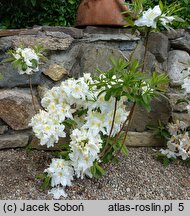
(181, 117)
(48, 42)
(3, 129)
(158, 45)
(56, 34)
(16, 108)
(13, 140)
(160, 110)
(73, 32)
(177, 63)
(55, 72)
(182, 43)
(108, 30)
(145, 139)
(35, 144)
(91, 38)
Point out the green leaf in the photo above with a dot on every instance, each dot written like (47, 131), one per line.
(108, 157)
(46, 183)
(69, 122)
(108, 96)
(33, 2)
(124, 150)
(100, 169)
(62, 154)
(161, 5)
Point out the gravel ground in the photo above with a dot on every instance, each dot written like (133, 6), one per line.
(140, 176)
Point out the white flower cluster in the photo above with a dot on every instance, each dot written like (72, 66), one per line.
(179, 143)
(61, 174)
(64, 103)
(151, 17)
(28, 60)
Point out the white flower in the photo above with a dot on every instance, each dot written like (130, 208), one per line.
(61, 172)
(149, 17)
(27, 57)
(168, 153)
(94, 123)
(146, 88)
(182, 152)
(84, 151)
(29, 54)
(57, 192)
(186, 84)
(47, 128)
(166, 19)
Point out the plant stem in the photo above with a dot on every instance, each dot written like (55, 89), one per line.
(31, 92)
(112, 125)
(128, 125)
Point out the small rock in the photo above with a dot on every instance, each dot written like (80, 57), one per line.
(13, 140)
(158, 45)
(55, 72)
(16, 108)
(144, 139)
(182, 43)
(128, 190)
(177, 63)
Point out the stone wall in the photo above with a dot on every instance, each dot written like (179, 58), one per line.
(71, 52)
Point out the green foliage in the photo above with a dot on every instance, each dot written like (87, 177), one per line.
(27, 13)
(164, 159)
(97, 171)
(187, 162)
(125, 79)
(111, 147)
(45, 180)
(159, 130)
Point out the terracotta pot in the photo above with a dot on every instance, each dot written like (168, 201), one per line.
(100, 12)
